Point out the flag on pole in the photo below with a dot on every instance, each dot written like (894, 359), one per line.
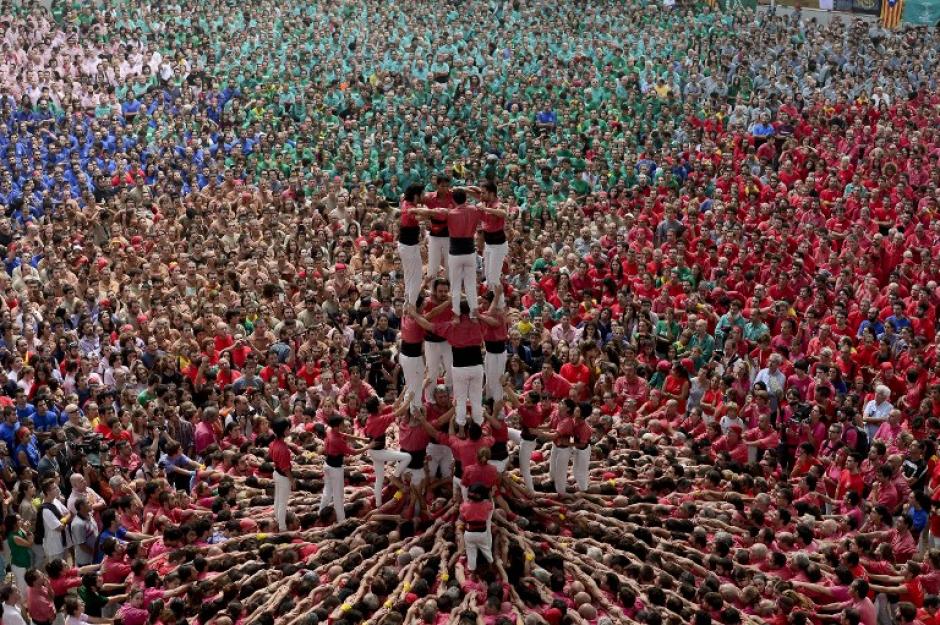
(891, 12)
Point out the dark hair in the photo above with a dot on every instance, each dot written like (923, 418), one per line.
(280, 427)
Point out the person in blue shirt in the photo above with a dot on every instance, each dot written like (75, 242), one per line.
(547, 117)
(45, 418)
(872, 322)
(24, 409)
(899, 319)
(9, 427)
(762, 128)
(26, 453)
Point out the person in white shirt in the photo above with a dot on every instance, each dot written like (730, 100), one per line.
(11, 597)
(54, 517)
(773, 379)
(877, 410)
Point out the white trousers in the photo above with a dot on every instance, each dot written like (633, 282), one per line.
(468, 387)
(582, 462)
(499, 464)
(493, 257)
(411, 266)
(379, 458)
(442, 457)
(333, 494)
(417, 476)
(458, 485)
(525, 460)
(19, 576)
(439, 360)
(494, 366)
(478, 543)
(281, 497)
(437, 255)
(558, 467)
(413, 369)
(462, 270)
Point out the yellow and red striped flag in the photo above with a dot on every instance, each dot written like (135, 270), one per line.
(891, 12)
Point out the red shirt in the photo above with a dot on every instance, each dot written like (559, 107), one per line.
(465, 449)
(466, 333)
(499, 332)
(408, 218)
(577, 373)
(280, 455)
(411, 332)
(377, 425)
(556, 386)
(581, 433)
(412, 438)
(477, 473)
(531, 417)
(476, 511)
(335, 444)
(463, 221)
(492, 223)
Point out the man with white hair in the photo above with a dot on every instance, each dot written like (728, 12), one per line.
(81, 490)
(773, 378)
(877, 410)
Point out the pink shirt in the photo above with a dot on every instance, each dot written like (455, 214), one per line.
(40, 602)
(867, 611)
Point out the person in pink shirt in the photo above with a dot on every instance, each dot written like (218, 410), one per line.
(40, 598)
(858, 602)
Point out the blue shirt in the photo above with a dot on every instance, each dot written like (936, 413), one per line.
(31, 451)
(26, 412)
(120, 534)
(899, 323)
(47, 421)
(762, 130)
(547, 117)
(877, 326)
(8, 434)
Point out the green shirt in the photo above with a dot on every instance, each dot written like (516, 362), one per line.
(20, 556)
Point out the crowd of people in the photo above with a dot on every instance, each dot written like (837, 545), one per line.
(485, 313)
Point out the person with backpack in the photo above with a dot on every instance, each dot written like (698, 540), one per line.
(52, 523)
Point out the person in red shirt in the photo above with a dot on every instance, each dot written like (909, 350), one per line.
(495, 335)
(561, 446)
(495, 247)
(581, 437)
(279, 453)
(465, 335)
(481, 472)
(409, 239)
(577, 373)
(531, 418)
(553, 384)
(411, 356)
(476, 515)
(336, 447)
(462, 223)
(732, 443)
(377, 424)
(438, 233)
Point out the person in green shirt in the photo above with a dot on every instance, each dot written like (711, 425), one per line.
(20, 542)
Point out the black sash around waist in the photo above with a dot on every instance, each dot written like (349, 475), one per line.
(494, 238)
(413, 350)
(467, 356)
(460, 246)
